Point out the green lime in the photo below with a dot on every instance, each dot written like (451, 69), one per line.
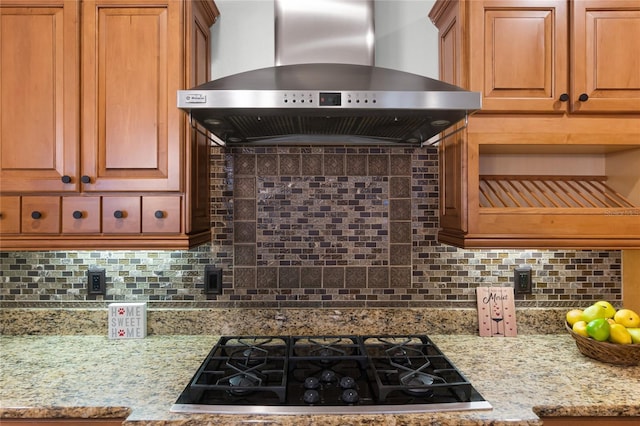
(599, 329)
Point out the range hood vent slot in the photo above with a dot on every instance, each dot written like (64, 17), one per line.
(383, 127)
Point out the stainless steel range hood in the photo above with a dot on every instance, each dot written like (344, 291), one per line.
(317, 99)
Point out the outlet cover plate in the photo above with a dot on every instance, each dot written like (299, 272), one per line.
(212, 280)
(522, 280)
(96, 281)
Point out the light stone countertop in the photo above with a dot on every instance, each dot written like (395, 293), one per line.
(92, 376)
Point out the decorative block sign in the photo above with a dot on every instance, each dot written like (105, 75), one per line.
(496, 311)
(127, 320)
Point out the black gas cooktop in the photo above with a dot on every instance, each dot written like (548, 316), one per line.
(327, 375)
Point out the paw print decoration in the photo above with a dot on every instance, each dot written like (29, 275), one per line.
(121, 333)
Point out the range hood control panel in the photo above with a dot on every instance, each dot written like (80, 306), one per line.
(330, 98)
(193, 99)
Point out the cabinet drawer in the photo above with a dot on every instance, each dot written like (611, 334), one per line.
(40, 215)
(9, 215)
(161, 214)
(81, 215)
(121, 215)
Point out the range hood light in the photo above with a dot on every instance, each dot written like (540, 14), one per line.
(440, 123)
(213, 122)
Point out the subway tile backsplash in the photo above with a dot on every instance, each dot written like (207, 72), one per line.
(315, 227)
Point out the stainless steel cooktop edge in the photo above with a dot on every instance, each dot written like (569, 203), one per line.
(351, 409)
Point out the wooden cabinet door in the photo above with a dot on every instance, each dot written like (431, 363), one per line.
(161, 215)
(519, 54)
(9, 215)
(453, 184)
(452, 150)
(121, 215)
(39, 95)
(198, 147)
(606, 56)
(81, 215)
(40, 215)
(131, 74)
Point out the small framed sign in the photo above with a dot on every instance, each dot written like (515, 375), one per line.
(127, 320)
(496, 311)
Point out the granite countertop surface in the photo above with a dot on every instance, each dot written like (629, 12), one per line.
(91, 376)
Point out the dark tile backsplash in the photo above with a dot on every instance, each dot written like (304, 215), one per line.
(315, 227)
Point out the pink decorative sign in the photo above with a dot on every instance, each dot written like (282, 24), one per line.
(496, 311)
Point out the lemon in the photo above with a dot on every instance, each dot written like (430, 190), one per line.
(628, 318)
(610, 311)
(635, 334)
(574, 316)
(580, 328)
(594, 311)
(618, 334)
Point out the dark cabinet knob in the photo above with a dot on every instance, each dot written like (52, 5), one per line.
(118, 214)
(564, 97)
(66, 179)
(159, 214)
(85, 179)
(583, 98)
(77, 214)
(36, 215)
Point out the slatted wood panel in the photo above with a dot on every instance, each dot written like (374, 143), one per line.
(549, 192)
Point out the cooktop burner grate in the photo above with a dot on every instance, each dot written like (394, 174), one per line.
(414, 366)
(327, 374)
(242, 366)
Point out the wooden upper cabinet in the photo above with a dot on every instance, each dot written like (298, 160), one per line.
(606, 60)
(452, 155)
(519, 54)
(131, 71)
(555, 55)
(198, 146)
(88, 116)
(39, 95)
(532, 59)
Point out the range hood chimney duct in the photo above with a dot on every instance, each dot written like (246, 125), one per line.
(325, 88)
(325, 31)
